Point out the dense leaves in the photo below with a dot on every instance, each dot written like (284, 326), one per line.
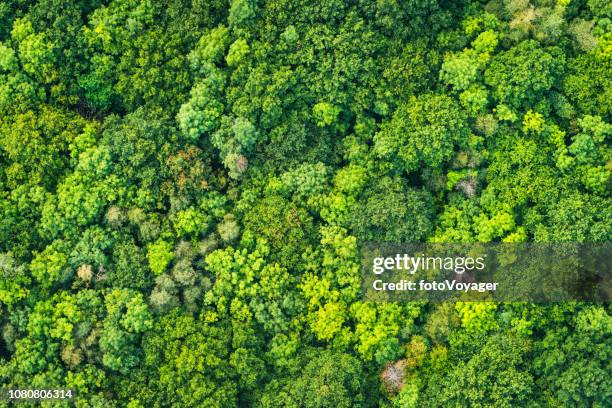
(185, 186)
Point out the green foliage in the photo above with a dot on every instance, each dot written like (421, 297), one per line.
(306, 180)
(331, 381)
(190, 355)
(587, 83)
(241, 11)
(46, 134)
(185, 188)
(459, 70)
(127, 317)
(202, 113)
(287, 228)
(129, 267)
(573, 361)
(392, 212)
(160, 255)
(15, 280)
(521, 75)
(328, 380)
(423, 132)
(237, 51)
(498, 368)
(234, 139)
(49, 266)
(325, 113)
(35, 51)
(209, 50)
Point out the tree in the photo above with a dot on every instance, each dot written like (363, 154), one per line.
(329, 379)
(571, 363)
(286, 227)
(15, 280)
(494, 376)
(159, 255)
(520, 76)
(390, 211)
(38, 144)
(50, 266)
(127, 317)
(425, 131)
(460, 70)
(35, 52)
(129, 267)
(587, 83)
(189, 362)
(202, 113)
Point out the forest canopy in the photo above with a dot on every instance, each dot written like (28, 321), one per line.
(185, 186)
